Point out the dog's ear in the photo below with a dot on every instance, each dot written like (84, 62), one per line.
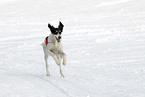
(61, 26)
(49, 26)
(52, 29)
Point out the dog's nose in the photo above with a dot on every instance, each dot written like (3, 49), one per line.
(59, 37)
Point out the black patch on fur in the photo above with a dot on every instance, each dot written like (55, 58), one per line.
(46, 37)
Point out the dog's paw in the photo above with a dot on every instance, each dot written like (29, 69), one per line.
(47, 74)
(64, 59)
(62, 75)
(64, 63)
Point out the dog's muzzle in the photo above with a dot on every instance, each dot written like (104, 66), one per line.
(58, 37)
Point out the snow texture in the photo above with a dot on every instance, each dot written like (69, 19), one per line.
(104, 41)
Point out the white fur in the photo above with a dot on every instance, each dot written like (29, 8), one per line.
(55, 50)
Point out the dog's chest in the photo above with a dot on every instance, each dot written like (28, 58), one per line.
(53, 43)
(57, 46)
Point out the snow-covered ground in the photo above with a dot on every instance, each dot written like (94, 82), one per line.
(104, 41)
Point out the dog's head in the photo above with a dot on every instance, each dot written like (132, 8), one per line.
(56, 31)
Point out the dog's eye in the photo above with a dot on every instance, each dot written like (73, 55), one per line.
(59, 32)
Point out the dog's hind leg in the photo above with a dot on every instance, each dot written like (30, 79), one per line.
(47, 72)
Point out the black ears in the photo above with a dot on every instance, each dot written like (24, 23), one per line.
(52, 29)
(49, 25)
(60, 26)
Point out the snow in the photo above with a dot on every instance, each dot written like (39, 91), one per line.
(103, 39)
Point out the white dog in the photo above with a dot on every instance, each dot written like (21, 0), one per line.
(52, 47)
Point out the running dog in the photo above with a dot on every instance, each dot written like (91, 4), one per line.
(52, 47)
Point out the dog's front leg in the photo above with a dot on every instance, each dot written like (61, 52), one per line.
(63, 55)
(61, 71)
(64, 59)
(55, 57)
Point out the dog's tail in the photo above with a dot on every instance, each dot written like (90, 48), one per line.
(41, 44)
